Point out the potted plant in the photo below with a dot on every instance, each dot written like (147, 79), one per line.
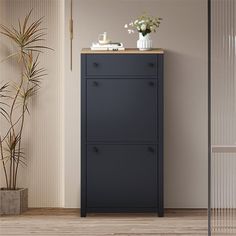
(144, 25)
(14, 105)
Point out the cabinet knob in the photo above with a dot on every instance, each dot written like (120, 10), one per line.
(151, 64)
(95, 83)
(95, 149)
(151, 149)
(151, 83)
(95, 64)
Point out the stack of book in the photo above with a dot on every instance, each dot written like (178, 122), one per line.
(108, 47)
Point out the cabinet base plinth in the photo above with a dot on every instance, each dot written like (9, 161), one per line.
(122, 210)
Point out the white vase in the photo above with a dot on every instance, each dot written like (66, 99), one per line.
(144, 42)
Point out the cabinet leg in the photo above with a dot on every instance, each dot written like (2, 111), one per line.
(160, 213)
(82, 213)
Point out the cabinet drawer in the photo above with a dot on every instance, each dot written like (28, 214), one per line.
(122, 110)
(121, 65)
(122, 176)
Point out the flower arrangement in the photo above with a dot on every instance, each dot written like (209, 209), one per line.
(144, 24)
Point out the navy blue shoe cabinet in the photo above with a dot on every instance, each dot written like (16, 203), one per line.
(122, 131)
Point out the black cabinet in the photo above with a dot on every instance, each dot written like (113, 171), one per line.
(122, 132)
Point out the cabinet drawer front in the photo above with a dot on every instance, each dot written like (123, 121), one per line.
(122, 65)
(122, 110)
(122, 176)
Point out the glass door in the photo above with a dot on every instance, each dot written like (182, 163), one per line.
(222, 175)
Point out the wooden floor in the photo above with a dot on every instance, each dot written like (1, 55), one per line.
(66, 222)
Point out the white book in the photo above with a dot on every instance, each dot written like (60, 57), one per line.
(108, 47)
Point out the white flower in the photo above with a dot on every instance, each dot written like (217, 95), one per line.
(143, 27)
(130, 31)
(143, 24)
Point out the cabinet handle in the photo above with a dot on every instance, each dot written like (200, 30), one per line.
(95, 149)
(151, 149)
(151, 83)
(95, 83)
(151, 64)
(95, 64)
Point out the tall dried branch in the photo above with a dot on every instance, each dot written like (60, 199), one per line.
(28, 38)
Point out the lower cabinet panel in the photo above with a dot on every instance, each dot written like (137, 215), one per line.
(122, 176)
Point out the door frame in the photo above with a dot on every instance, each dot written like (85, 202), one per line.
(209, 116)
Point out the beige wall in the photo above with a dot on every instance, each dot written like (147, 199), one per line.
(53, 134)
(183, 34)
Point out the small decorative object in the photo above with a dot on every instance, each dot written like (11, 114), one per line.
(144, 25)
(103, 39)
(105, 44)
(15, 99)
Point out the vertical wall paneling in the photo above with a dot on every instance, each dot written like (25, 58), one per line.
(43, 137)
(62, 101)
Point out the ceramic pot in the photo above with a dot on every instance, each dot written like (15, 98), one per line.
(144, 43)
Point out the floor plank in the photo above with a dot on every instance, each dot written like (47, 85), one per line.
(66, 222)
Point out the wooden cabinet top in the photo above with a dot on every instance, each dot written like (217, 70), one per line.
(126, 51)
